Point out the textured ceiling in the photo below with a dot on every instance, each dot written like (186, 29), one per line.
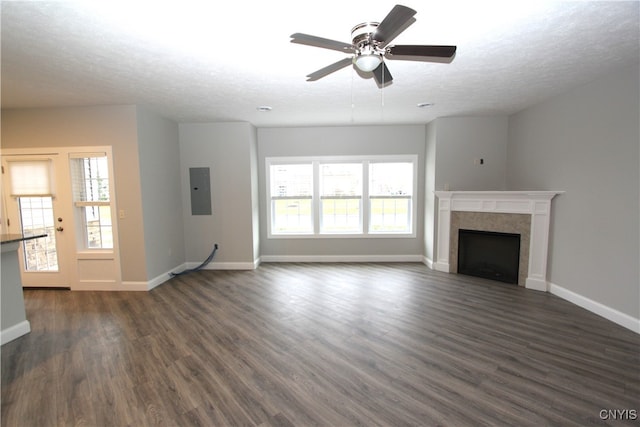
(196, 61)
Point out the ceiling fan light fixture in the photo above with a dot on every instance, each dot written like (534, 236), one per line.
(368, 62)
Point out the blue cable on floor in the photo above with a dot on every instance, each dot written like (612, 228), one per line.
(206, 261)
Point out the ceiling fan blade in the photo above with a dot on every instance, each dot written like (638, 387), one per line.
(391, 25)
(420, 50)
(329, 69)
(382, 75)
(309, 40)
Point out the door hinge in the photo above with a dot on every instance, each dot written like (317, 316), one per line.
(2, 169)
(8, 222)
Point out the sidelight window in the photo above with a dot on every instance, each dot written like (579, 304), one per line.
(92, 201)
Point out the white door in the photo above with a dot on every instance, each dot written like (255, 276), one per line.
(35, 206)
(68, 195)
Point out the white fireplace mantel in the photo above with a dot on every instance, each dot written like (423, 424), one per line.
(535, 203)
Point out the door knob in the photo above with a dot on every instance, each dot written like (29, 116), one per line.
(59, 228)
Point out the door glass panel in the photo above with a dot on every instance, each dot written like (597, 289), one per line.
(36, 217)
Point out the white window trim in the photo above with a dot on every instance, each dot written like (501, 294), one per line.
(315, 199)
(81, 230)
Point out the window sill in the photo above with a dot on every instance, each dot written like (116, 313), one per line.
(344, 236)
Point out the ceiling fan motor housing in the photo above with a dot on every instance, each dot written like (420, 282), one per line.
(363, 39)
(368, 55)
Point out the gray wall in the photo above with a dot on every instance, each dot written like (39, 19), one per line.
(161, 192)
(338, 141)
(453, 147)
(461, 140)
(13, 317)
(76, 127)
(255, 193)
(225, 148)
(430, 211)
(585, 142)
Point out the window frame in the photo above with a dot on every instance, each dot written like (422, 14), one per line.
(270, 198)
(322, 229)
(79, 206)
(316, 204)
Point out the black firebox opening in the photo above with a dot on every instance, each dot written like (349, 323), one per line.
(489, 255)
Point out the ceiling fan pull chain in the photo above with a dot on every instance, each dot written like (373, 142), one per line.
(382, 98)
(353, 72)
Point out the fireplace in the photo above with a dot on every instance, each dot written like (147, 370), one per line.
(518, 212)
(489, 255)
(492, 222)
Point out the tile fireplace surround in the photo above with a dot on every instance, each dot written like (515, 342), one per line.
(498, 211)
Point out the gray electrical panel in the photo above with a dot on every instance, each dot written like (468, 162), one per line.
(200, 191)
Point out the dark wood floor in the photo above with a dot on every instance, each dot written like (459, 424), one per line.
(318, 344)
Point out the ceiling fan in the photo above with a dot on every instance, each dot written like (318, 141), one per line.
(370, 45)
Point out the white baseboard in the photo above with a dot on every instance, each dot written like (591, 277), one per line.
(428, 262)
(159, 280)
(96, 285)
(341, 258)
(134, 286)
(15, 331)
(228, 265)
(536, 284)
(441, 266)
(609, 313)
(155, 282)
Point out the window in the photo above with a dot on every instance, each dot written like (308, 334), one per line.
(91, 199)
(291, 195)
(344, 196)
(31, 183)
(36, 217)
(390, 197)
(341, 198)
